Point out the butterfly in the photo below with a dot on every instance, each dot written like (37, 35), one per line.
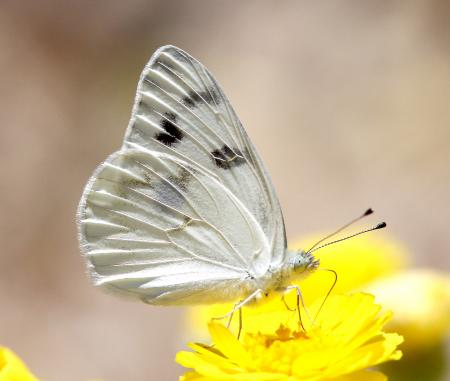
(185, 212)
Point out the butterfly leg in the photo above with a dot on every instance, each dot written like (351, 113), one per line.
(240, 304)
(240, 324)
(300, 299)
(229, 320)
(240, 320)
(238, 307)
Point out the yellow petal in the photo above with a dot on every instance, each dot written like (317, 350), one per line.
(214, 356)
(379, 351)
(228, 344)
(362, 376)
(191, 376)
(12, 368)
(260, 377)
(201, 365)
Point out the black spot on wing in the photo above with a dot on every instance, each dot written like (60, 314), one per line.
(172, 133)
(194, 98)
(228, 152)
(171, 116)
(210, 96)
(227, 158)
(219, 158)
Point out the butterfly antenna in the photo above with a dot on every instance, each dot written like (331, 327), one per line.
(368, 212)
(381, 225)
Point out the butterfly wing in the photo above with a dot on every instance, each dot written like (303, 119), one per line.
(186, 206)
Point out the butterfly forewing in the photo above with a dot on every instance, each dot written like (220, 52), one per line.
(186, 205)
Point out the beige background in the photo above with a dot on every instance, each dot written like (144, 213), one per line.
(347, 102)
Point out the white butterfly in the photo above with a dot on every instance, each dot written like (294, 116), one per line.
(185, 211)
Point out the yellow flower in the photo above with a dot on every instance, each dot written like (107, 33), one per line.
(345, 340)
(421, 301)
(12, 368)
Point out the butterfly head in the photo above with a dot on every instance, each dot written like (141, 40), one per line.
(302, 261)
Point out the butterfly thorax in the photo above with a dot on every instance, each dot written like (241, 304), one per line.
(296, 265)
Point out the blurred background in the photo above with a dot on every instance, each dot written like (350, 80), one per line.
(357, 91)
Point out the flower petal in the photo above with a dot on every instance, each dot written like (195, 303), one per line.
(375, 353)
(12, 368)
(362, 376)
(201, 365)
(228, 344)
(209, 354)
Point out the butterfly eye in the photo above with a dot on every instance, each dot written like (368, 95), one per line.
(299, 263)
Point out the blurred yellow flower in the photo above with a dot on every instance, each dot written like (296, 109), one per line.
(421, 301)
(12, 368)
(345, 340)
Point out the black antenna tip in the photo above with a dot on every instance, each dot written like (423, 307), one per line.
(368, 212)
(380, 225)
